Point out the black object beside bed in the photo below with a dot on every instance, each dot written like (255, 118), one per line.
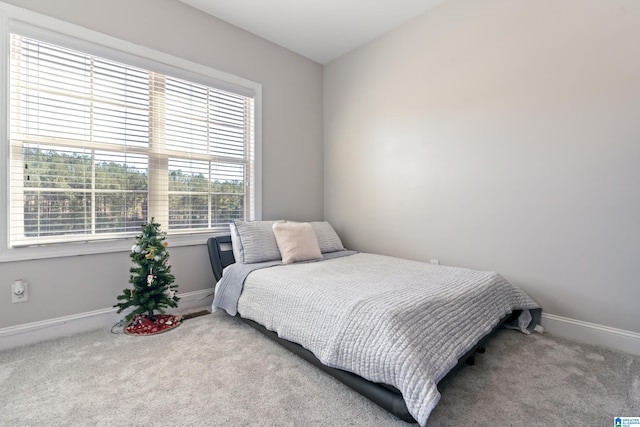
(387, 397)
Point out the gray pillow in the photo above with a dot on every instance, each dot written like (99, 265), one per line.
(236, 245)
(328, 239)
(258, 241)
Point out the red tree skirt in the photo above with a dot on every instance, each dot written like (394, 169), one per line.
(142, 325)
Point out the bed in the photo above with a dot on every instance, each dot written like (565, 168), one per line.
(389, 328)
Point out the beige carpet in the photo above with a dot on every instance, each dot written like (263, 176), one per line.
(215, 371)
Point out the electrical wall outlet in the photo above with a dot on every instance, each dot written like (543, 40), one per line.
(435, 261)
(19, 291)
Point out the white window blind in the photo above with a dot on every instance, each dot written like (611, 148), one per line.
(99, 147)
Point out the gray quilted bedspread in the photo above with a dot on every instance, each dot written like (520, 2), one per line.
(389, 320)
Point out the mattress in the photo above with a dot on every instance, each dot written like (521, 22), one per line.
(389, 320)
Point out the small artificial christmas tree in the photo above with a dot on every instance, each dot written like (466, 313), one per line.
(153, 288)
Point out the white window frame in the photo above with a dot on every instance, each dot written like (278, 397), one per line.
(129, 53)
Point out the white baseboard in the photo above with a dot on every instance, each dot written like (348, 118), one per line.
(29, 333)
(591, 333)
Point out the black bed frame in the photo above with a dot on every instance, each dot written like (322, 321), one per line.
(386, 396)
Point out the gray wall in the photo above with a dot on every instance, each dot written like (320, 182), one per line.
(292, 145)
(500, 135)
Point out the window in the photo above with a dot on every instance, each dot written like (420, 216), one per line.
(98, 146)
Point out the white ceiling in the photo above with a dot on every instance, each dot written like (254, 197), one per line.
(318, 29)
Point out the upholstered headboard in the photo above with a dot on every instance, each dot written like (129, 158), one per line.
(220, 254)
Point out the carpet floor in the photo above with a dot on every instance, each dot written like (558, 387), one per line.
(214, 370)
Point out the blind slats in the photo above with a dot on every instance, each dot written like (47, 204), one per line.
(99, 147)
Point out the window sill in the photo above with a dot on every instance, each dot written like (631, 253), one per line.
(98, 247)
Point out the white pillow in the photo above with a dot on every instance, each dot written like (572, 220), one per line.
(296, 241)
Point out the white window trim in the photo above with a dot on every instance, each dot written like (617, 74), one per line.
(130, 52)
